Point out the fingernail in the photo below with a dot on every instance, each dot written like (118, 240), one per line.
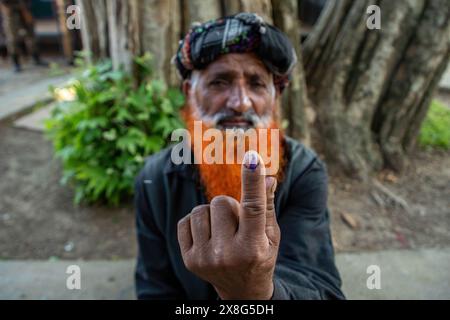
(251, 160)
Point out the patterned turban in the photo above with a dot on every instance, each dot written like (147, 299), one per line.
(240, 33)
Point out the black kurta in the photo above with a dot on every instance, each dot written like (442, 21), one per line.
(166, 192)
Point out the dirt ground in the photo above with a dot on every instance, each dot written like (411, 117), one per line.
(37, 217)
(364, 218)
(39, 221)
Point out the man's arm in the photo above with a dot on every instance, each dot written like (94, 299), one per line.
(305, 267)
(154, 276)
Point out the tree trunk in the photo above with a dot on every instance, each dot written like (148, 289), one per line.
(407, 96)
(295, 99)
(158, 35)
(94, 28)
(200, 11)
(372, 88)
(261, 7)
(119, 29)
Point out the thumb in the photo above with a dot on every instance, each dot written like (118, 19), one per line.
(271, 185)
(272, 229)
(253, 194)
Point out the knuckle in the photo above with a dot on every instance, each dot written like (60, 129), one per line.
(182, 224)
(201, 263)
(255, 207)
(198, 214)
(182, 221)
(194, 262)
(221, 201)
(218, 260)
(256, 256)
(201, 209)
(270, 206)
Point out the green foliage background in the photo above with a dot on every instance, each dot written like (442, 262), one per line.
(103, 135)
(435, 130)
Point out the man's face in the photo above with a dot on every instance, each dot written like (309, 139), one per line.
(235, 91)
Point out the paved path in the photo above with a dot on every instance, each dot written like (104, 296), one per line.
(421, 274)
(35, 120)
(25, 97)
(47, 280)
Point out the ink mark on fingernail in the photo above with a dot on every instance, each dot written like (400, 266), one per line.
(251, 161)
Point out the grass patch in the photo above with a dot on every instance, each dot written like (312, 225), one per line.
(435, 130)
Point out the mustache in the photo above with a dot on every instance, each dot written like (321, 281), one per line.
(249, 116)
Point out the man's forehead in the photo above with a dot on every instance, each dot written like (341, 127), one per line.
(236, 63)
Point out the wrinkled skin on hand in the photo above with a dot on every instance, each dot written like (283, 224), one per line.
(234, 245)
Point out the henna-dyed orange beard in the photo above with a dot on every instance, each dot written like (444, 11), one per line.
(225, 179)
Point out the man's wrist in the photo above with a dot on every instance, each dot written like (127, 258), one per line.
(256, 292)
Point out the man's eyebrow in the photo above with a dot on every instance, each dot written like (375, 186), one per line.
(227, 74)
(256, 76)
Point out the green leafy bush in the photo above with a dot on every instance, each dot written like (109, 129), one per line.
(435, 130)
(104, 132)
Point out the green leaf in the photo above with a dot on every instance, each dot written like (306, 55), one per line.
(176, 97)
(166, 106)
(110, 135)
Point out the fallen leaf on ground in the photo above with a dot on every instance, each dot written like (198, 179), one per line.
(349, 220)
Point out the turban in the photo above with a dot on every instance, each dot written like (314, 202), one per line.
(240, 33)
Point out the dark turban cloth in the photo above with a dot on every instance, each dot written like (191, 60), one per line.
(240, 33)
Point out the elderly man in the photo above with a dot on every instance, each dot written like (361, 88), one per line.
(229, 231)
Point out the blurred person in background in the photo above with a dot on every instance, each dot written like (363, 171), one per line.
(18, 23)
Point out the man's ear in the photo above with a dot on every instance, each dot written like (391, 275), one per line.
(186, 87)
(278, 93)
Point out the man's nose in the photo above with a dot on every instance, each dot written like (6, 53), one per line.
(239, 100)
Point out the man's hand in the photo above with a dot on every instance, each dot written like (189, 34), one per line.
(234, 245)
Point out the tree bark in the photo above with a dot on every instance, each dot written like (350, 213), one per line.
(119, 20)
(200, 11)
(156, 34)
(360, 78)
(295, 98)
(407, 95)
(261, 7)
(94, 28)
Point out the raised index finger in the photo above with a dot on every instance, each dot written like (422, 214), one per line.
(253, 194)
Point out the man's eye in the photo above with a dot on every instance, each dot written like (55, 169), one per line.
(218, 82)
(258, 84)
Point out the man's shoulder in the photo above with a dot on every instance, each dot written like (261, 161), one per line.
(156, 165)
(301, 158)
(305, 180)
